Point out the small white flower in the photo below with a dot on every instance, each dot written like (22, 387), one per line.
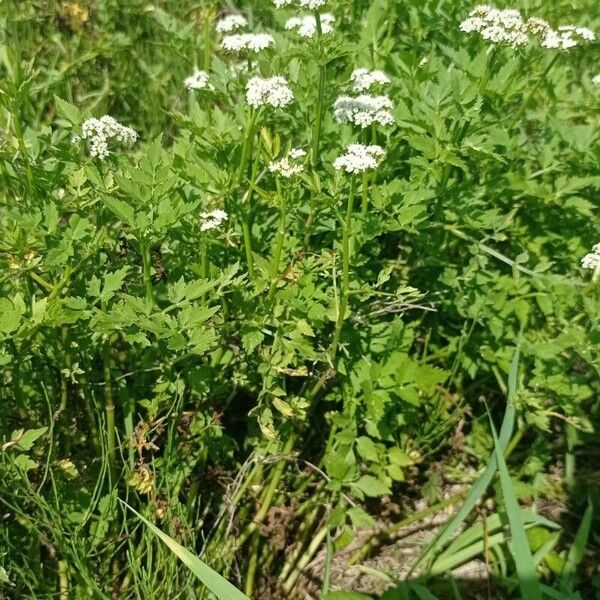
(497, 26)
(566, 37)
(596, 79)
(212, 219)
(288, 165)
(247, 41)
(363, 110)
(307, 26)
(231, 23)
(310, 4)
(359, 158)
(273, 91)
(592, 260)
(198, 81)
(98, 132)
(363, 79)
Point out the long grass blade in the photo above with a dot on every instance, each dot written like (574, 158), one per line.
(577, 550)
(216, 583)
(526, 573)
(484, 480)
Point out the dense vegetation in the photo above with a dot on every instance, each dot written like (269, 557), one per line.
(285, 351)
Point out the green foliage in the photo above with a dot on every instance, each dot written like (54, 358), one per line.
(300, 382)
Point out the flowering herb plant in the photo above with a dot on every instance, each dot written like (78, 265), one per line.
(273, 274)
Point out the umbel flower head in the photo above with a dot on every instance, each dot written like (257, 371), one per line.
(310, 4)
(198, 81)
(565, 37)
(363, 79)
(307, 26)
(212, 219)
(596, 79)
(363, 110)
(231, 23)
(273, 91)
(254, 42)
(359, 158)
(98, 132)
(290, 164)
(592, 260)
(497, 26)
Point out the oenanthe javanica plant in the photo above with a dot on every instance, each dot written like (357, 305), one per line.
(265, 268)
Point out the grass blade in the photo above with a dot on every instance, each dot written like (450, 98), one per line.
(482, 483)
(577, 550)
(526, 573)
(216, 583)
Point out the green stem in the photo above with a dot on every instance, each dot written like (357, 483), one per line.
(203, 258)
(248, 245)
(533, 90)
(364, 208)
(23, 151)
(346, 233)
(269, 492)
(278, 245)
(462, 131)
(249, 585)
(305, 559)
(251, 122)
(147, 267)
(208, 26)
(110, 410)
(317, 125)
(252, 117)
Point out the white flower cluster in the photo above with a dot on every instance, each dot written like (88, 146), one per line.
(359, 158)
(307, 26)
(310, 4)
(99, 131)
(509, 27)
(289, 165)
(596, 79)
(363, 79)
(363, 110)
(212, 219)
(247, 41)
(592, 260)
(497, 26)
(565, 37)
(198, 81)
(273, 91)
(231, 23)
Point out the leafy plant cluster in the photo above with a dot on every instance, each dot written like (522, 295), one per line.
(323, 367)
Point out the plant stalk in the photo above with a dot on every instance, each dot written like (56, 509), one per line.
(346, 233)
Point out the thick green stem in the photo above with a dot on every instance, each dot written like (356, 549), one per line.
(278, 246)
(346, 233)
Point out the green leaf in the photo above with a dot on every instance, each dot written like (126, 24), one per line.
(68, 111)
(371, 486)
(215, 583)
(29, 437)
